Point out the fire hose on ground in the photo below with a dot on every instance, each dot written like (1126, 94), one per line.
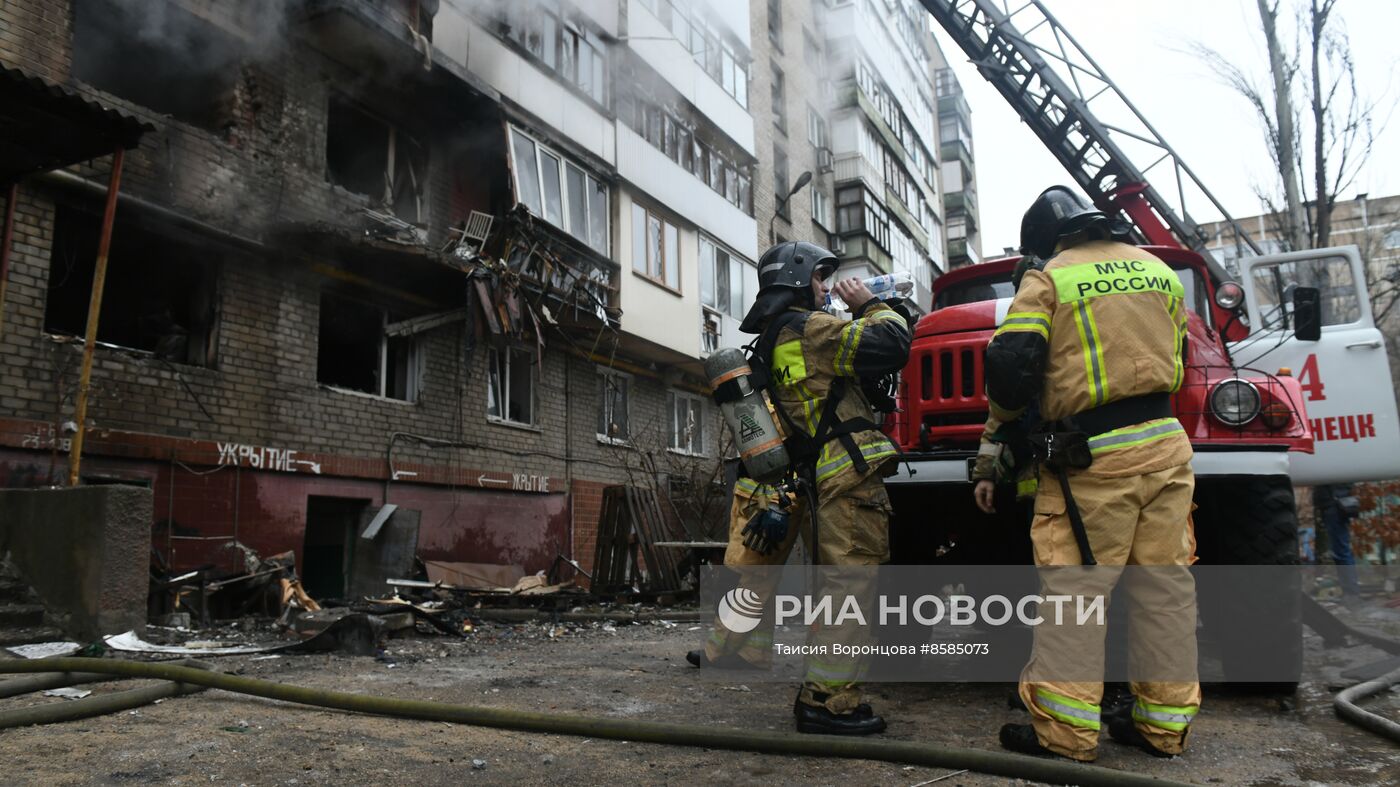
(1316, 617)
(87, 707)
(1345, 705)
(760, 741)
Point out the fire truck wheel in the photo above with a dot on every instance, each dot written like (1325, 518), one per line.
(1253, 617)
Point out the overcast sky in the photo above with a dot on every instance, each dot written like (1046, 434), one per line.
(1143, 46)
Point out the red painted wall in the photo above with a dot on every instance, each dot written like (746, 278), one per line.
(198, 511)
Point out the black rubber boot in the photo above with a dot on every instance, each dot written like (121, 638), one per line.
(1117, 699)
(695, 657)
(1122, 730)
(1014, 701)
(816, 719)
(1021, 739)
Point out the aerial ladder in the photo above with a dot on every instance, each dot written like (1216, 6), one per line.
(1017, 51)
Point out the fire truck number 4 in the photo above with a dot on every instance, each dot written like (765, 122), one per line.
(1339, 427)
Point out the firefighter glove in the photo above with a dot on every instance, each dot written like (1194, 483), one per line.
(766, 531)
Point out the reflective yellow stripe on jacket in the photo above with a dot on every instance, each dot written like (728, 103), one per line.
(1033, 322)
(1138, 434)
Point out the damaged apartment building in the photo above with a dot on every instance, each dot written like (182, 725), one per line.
(450, 262)
(446, 266)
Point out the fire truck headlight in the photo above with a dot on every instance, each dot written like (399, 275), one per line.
(1229, 296)
(1234, 402)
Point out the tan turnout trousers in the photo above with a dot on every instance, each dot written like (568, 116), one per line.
(1138, 520)
(853, 512)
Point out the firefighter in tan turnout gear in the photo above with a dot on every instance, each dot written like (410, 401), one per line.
(817, 362)
(1097, 338)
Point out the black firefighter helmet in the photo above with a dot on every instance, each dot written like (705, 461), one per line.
(1058, 213)
(785, 274)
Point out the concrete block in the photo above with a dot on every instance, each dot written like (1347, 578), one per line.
(85, 551)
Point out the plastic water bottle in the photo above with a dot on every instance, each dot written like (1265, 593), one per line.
(885, 287)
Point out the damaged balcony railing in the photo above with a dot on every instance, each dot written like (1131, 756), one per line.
(520, 248)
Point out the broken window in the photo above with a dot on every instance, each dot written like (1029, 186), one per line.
(709, 332)
(686, 425)
(370, 156)
(727, 282)
(159, 295)
(355, 353)
(614, 405)
(565, 46)
(560, 191)
(510, 391)
(157, 55)
(655, 247)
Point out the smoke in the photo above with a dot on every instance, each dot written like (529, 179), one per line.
(203, 35)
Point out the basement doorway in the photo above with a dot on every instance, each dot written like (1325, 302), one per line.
(328, 545)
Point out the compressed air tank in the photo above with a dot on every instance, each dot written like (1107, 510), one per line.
(746, 412)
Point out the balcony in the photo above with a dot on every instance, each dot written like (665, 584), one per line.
(368, 35)
(953, 104)
(956, 149)
(853, 166)
(959, 203)
(961, 253)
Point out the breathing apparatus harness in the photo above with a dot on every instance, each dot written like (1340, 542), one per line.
(1063, 445)
(803, 449)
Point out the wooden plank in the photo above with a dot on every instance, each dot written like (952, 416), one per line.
(603, 550)
(663, 565)
(639, 515)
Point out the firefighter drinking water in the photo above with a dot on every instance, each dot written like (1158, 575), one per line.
(813, 366)
(1097, 339)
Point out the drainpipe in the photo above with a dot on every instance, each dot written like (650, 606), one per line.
(5, 249)
(99, 279)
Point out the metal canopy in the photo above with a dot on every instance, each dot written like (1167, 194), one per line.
(46, 127)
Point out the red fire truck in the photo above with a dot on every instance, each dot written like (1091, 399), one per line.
(1266, 407)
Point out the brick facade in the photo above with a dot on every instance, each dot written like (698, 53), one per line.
(252, 195)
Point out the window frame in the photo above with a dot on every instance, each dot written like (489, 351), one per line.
(606, 374)
(508, 353)
(557, 41)
(708, 47)
(585, 233)
(735, 264)
(823, 212)
(778, 96)
(661, 277)
(781, 182)
(818, 130)
(673, 398)
(683, 143)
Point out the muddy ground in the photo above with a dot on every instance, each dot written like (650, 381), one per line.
(635, 672)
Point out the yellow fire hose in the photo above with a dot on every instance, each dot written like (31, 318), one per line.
(761, 741)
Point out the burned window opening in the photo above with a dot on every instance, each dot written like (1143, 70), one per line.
(510, 390)
(159, 56)
(614, 406)
(160, 295)
(369, 156)
(353, 353)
